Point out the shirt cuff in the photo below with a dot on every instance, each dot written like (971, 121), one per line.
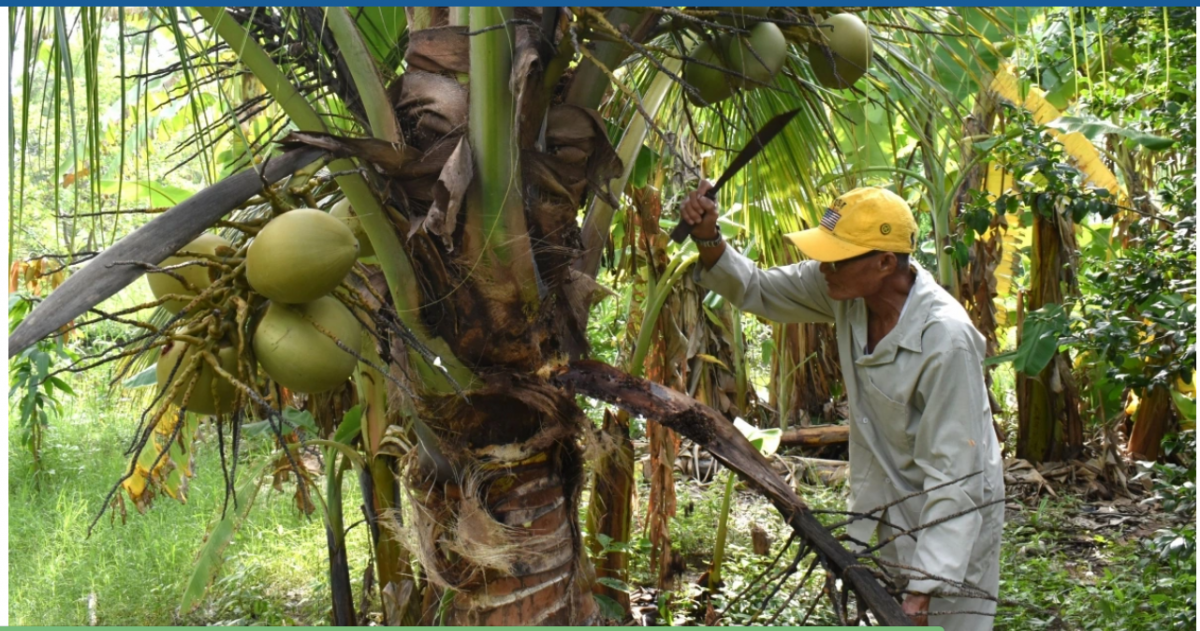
(927, 586)
(728, 276)
(720, 269)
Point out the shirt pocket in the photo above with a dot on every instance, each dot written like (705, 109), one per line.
(890, 419)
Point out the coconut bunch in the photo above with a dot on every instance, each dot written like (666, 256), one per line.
(840, 52)
(751, 52)
(269, 300)
(747, 57)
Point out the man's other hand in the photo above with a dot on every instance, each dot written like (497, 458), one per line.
(916, 606)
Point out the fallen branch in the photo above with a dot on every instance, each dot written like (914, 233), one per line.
(709, 428)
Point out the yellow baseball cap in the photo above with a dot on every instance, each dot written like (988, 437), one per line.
(860, 221)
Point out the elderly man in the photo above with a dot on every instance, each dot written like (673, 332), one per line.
(912, 363)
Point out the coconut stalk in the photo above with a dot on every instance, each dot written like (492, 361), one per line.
(714, 576)
(380, 113)
(382, 496)
(335, 539)
(598, 220)
(499, 220)
(591, 81)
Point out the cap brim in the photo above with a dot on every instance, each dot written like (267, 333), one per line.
(820, 245)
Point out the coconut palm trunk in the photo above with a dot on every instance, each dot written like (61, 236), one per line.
(492, 215)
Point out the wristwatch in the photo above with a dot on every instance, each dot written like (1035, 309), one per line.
(709, 243)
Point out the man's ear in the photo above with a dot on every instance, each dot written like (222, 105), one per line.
(888, 263)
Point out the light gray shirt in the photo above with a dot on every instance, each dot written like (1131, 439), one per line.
(919, 412)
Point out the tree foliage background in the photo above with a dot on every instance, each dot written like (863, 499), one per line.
(1049, 154)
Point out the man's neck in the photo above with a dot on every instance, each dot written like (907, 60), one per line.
(884, 307)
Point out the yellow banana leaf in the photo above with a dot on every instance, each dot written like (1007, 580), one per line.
(1084, 156)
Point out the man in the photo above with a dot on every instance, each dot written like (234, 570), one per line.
(912, 364)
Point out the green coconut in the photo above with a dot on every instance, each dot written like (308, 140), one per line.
(200, 276)
(297, 354)
(740, 15)
(202, 400)
(713, 84)
(847, 41)
(300, 256)
(747, 55)
(345, 214)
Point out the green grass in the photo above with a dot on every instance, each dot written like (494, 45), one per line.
(1055, 577)
(274, 572)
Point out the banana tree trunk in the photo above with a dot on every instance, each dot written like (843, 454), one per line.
(1049, 426)
(1150, 423)
(610, 511)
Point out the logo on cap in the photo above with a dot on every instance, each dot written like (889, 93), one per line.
(885, 229)
(830, 219)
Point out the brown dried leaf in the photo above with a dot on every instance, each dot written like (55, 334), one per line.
(448, 194)
(389, 158)
(431, 106)
(303, 501)
(440, 49)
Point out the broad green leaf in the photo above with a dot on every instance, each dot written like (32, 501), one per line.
(1039, 340)
(60, 384)
(766, 441)
(147, 377)
(350, 427)
(771, 439)
(1036, 349)
(613, 583)
(300, 419)
(611, 608)
(155, 194)
(1093, 128)
(642, 168)
(1000, 359)
(1185, 405)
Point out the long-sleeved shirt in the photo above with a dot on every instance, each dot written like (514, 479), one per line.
(919, 411)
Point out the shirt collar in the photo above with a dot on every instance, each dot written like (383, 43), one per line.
(910, 327)
(912, 322)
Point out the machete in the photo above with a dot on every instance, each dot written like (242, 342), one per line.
(756, 144)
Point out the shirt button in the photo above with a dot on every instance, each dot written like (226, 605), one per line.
(865, 420)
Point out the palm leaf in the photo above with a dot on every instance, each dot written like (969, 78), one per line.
(212, 553)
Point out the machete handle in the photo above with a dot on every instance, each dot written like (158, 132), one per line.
(681, 231)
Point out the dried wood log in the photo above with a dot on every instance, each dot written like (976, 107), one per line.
(816, 436)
